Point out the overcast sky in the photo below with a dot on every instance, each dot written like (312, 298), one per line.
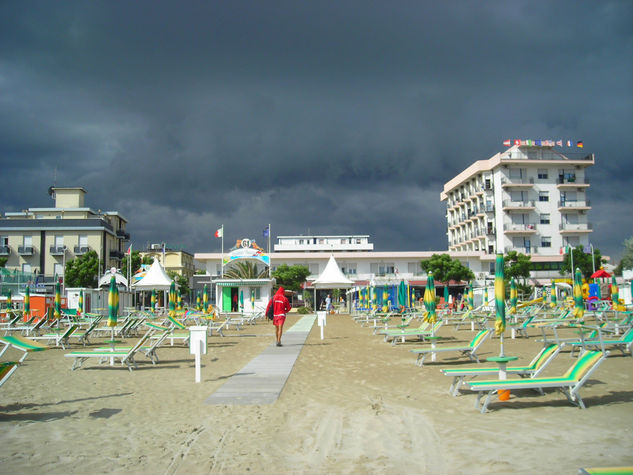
(320, 117)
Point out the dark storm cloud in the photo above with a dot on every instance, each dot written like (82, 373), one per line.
(321, 117)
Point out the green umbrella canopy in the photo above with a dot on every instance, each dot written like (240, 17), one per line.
(58, 301)
(80, 303)
(153, 300)
(500, 305)
(205, 297)
(446, 296)
(552, 295)
(9, 299)
(514, 296)
(402, 294)
(429, 299)
(172, 299)
(113, 303)
(471, 303)
(579, 304)
(615, 292)
(27, 301)
(179, 300)
(198, 300)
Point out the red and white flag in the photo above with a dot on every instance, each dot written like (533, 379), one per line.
(129, 250)
(219, 232)
(559, 143)
(507, 143)
(517, 142)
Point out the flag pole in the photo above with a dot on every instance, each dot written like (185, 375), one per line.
(269, 263)
(222, 256)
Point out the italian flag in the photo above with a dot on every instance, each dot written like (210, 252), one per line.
(218, 233)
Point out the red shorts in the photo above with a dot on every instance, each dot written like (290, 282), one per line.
(279, 320)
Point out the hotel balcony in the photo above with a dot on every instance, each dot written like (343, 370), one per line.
(572, 182)
(80, 250)
(25, 250)
(568, 206)
(123, 234)
(519, 228)
(5, 250)
(116, 254)
(575, 228)
(523, 250)
(520, 183)
(57, 250)
(528, 205)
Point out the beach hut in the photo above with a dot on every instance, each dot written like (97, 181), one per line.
(331, 278)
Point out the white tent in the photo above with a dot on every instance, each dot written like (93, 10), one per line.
(156, 278)
(332, 277)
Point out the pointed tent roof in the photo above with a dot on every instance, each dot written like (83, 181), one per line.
(156, 278)
(332, 277)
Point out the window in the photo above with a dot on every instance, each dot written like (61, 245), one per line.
(358, 241)
(546, 241)
(314, 269)
(545, 219)
(516, 172)
(59, 241)
(348, 269)
(321, 241)
(26, 268)
(28, 241)
(542, 174)
(58, 270)
(414, 268)
(518, 196)
(543, 195)
(256, 292)
(381, 268)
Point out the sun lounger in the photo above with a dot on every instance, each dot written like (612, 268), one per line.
(624, 343)
(126, 357)
(25, 345)
(61, 338)
(469, 350)
(83, 336)
(532, 370)
(569, 383)
(420, 332)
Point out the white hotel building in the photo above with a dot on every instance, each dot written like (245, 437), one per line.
(529, 199)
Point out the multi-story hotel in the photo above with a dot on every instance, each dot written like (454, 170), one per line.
(179, 261)
(531, 200)
(40, 241)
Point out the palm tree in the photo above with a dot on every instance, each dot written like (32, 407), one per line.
(245, 270)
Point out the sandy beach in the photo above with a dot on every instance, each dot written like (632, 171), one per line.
(352, 404)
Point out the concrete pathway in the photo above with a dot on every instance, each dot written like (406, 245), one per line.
(262, 380)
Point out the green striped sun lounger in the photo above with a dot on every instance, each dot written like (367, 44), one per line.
(7, 368)
(624, 343)
(569, 383)
(532, 370)
(125, 357)
(606, 471)
(20, 343)
(420, 332)
(469, 350)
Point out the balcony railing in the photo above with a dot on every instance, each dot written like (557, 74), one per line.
(79, 250)
(25, 250)
(572, 180)
(123, 234)
(519, 204)
(57, 250)
(518, 182)
(116, 254)
(574, 204)
(580, 227)
(522, 249)
(520, 227)
(5, 250)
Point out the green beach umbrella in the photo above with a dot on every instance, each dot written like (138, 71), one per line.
(486, 299)
(198, 301)
(205, 298)
(9, 299)
(429, 300)
(113, 303)
(179, 300)
(579, 305)
(27, 302)
(80, 303)
(500, 304)
(514, 296)
(615, 293)
(172, 299)
(57, 312)
(241, 300)
(385, 299)
(471, 298)
(552, 295)
(153, 300)
(446, 296)
(402, 294)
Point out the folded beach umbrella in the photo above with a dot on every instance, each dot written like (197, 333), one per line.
(205, 298)
(514, 296)
(27, 302)
(471, 296)
(9, 300)
(113, 303)
(57, 312)
(429, 299)
(402, 294)
(80, 303)
(615, 293)
(241, 300)
(385, 299)
(179, 300)
(446, 294)
(552, 295)
(172, 299)
(500, 290)
(153, 300)
(198, 301)
(579, 305)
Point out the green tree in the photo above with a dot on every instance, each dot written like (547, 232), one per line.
(3, 261)
(445, 268)
(582, 261)
(627, 257)
(136, 262)
(245, 270)
(291, 277)
(517, 265)
(82, 271)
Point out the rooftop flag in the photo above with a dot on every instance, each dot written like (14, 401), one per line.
(219, 233)
(266, 231)
(507, 143)
(580, 144)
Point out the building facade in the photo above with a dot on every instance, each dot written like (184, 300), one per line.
(532, 200)
(178, 261)
(40, 241)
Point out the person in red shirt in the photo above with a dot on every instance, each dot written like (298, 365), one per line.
(281, 306)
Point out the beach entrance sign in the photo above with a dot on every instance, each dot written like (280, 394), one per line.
(246, 249)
